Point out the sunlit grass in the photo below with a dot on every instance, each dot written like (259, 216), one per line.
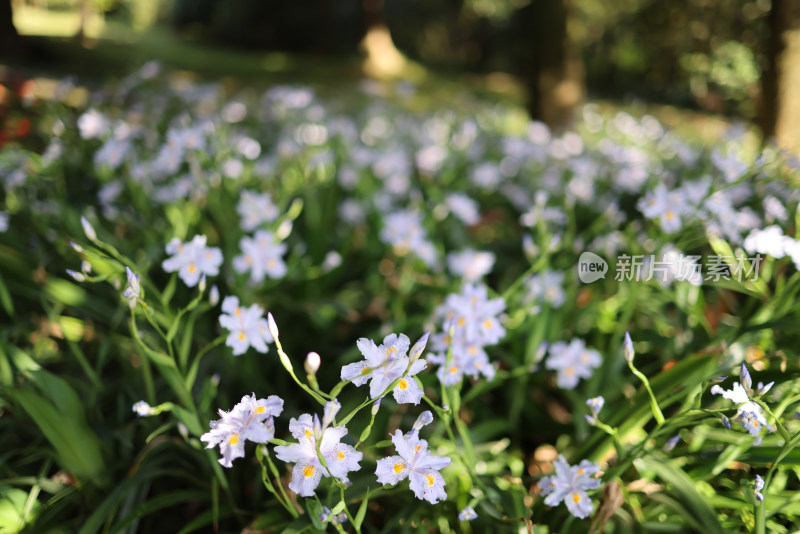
(30, 20)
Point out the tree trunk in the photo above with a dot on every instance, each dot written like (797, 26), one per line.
(84, 13)
(553, 73)
(11, 44)
(779, 115)
(383, 59)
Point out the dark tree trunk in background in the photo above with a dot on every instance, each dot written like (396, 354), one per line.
(770, 94)
(373, 14)
(11, 45)
(84, 12)
(779, 115)
(552, 72)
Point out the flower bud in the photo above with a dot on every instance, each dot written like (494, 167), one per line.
(595, 405)
(330, 411)
(213, 295)
(376, 406)
(273, 328)
(283, 231)
(416, 350)
(541, 351)
(627, 347)
(142, 409)
(745, 379)
(762, 389)
(88, 230)
(671, 442)
(78, 277)
(425, 418)
(312, 363)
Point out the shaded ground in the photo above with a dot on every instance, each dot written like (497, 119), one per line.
(112, 49)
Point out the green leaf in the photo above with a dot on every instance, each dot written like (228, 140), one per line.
(12, 510)
(690, 499)
(315, 513)
(201, 521)
(362, 512)
(76, 446)
(5, 298)
(155, 504)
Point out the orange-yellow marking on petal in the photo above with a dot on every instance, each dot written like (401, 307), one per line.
(430, 480)
(670, 215)
(234, 439)
(417, 448)
(575, 497)
(453, 369)
(365, 371)
(308, 471)
(208, 255)
(569, 371)
(488, 323)
(402, 384)
(473, 350)
(241, 336)
(391, 350)
(340, 455)
(399, 467)
(461, 321)
(259, 409)
(192, 268)
(581, 471)
(308, 434)
(237, 311)
(271, 263)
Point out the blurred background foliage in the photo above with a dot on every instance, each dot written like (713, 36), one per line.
(707, 55)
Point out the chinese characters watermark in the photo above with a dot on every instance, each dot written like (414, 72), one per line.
(671, 266)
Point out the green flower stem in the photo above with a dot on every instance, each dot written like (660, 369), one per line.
(463, 431)
(369, 401)
(147, 372)
(366, 432)
(192, 373)
(499, 377)
(337, 482)
(150, 319)
(312, 380)
(281, 495)
(441, 412)
(607, 429)
(346, 511)
(679, 421)
(787, 401)
(444, 415)
(453, 409)
(781, 429)
(287, 364)
(659, 417)
(760, 510)
(343, 422)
